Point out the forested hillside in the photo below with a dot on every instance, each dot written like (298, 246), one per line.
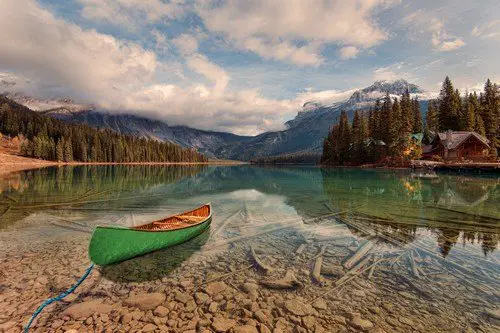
(310, 158)
(385, 132)
(52, 139)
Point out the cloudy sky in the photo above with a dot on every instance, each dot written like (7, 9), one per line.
(243, 66)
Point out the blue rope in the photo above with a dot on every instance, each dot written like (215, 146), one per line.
(58, 298)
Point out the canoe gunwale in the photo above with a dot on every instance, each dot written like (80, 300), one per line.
(166, 230)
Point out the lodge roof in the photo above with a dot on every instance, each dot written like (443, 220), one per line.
(457, 138)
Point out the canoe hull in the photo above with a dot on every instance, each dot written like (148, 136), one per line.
(111, 245)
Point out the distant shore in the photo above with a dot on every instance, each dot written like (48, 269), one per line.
(13, 163)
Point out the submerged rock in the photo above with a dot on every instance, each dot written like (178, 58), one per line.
(298, 308)
(88, 308)
(494, 313)
(145, 301)
(161, 311)
(215, 288)
(320, 304)
(245, 329)
(360, 323)
(223, 324)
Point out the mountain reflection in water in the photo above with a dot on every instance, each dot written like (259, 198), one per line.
(380, 243)
(455, 209)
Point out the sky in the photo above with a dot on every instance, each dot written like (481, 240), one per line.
(242, 66)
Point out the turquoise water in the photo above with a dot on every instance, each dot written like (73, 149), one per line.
(434, 233)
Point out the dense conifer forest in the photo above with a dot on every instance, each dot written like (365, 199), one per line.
(55, 140)
(311, 158)
(384, 133)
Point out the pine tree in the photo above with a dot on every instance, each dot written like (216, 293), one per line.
(469, 114)
(386, 119)
(60, 149)
(448, 107)
(480, 128)
(417, 116)
(37, 147)
(490, 111)
(357, 137)
(432, 120)
(407, 116)
(398, 130)
(371, 122)
(376, 126)
(329, 149)
(344, 138)
(68, 150)
(478, 119)
(363, 133)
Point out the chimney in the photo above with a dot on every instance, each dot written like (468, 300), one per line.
(448, 138)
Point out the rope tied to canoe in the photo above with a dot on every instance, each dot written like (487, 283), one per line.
(59, 297)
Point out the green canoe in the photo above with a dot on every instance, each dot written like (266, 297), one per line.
(114, 244)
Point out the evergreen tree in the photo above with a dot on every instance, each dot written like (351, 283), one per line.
(376, 126)
(37, 147)
(386, 120)
(480, 128)
(329, 149)
(344, 138)
(371, 122)
(60, 149)
(417, 116)
(407, 117)
(478, 119)
(469, 114)
(432, 120)
(490, 112)
(398, 130)
(359, 135)
(448, 107)
(68, 150)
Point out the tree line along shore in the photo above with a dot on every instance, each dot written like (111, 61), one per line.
(42, 137)
(389, 133)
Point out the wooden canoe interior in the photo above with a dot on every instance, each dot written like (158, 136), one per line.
(179, 221)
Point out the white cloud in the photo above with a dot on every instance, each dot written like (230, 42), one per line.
(130, 12)
(64, 60)
(162, 44)
(49, 50)
(305, 55)
(422, 22)
(488, 30)
(348, 52)
(186, 44)
(323, 97)
(294, 30)
(447, 45)
(200, 64)
(392, 72)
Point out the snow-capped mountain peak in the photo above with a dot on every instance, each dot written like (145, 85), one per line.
(62, 105)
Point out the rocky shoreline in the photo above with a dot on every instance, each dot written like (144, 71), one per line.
(202, 287)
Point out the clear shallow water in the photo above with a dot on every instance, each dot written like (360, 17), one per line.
(428, 259)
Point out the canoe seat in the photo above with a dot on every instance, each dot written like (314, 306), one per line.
(177, 221)
(190, 218)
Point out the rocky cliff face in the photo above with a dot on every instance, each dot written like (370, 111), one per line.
(308, 129)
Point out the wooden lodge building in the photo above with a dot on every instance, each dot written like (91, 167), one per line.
(459, 146)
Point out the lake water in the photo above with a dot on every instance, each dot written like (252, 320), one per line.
(334, 250)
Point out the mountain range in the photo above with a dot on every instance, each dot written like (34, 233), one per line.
(303, 133)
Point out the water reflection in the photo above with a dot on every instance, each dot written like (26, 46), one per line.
(69, 186)
(455, 209)
(397, 243)
(156, 265)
